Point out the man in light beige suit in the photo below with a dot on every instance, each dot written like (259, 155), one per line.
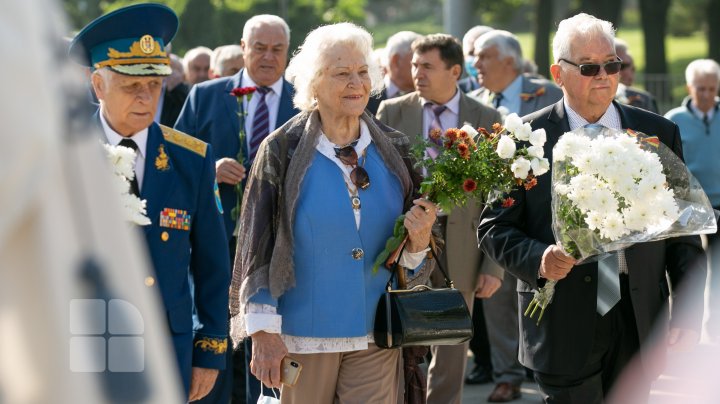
(436, 66)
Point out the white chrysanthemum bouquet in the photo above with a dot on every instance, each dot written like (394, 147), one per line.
(122, 160)
(612, 189)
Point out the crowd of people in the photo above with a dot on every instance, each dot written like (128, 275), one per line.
(320, 146)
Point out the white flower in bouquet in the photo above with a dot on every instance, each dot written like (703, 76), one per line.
(512, 123)
(122, 160)
(538, 137)
(506, 147)
(540, 165)
(612, 189)
(520, 167)
(469, 130)
(536, 151)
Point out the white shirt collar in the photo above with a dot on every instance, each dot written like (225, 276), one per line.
(610, 119)
(327, 148)
(114, 138)
(247, 81)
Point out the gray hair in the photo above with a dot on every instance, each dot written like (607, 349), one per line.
(223, 53)
(507, 45)
(193, 53)
(584, 25)
(307, 64)
(265, 19)
(701, 67)
(468, 41)
(399, 43)
(621, 46)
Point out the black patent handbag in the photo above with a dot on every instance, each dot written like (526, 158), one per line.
(422, 315)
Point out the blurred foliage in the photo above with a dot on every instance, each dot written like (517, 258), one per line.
(218, 22)
(686, 17)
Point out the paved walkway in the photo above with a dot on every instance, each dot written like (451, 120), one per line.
(690, 377)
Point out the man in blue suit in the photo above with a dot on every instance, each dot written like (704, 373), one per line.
(174, 173)
(213, 114)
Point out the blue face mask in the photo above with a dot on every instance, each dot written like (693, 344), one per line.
(470, 67)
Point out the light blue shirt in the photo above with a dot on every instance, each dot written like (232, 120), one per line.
(511, 95)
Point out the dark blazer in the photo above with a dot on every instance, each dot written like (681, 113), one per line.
(211, 114)
(173, 103)
(180, 180)
(516, 238)
(405, 113)
(374, 102)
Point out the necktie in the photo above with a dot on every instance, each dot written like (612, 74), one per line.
(498, 98)
(608, 290)
(261, 122)
(435, 123)
(134, 187)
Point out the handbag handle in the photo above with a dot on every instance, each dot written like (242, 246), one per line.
(448, 282)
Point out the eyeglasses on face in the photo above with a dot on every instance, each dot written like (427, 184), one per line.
(359, 176)
(593, 69)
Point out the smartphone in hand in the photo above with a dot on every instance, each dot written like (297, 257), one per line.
(290, 371)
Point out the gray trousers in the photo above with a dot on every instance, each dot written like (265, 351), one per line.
(501, 319)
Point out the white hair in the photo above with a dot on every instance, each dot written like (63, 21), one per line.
(222, 54)
(194, 53)
(468, 41)
(701, 67)
(583, 25)
(399, 43)
(307, 64)
(507, 45)
(264, 19)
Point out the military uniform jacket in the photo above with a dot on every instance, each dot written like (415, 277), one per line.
(187, 233)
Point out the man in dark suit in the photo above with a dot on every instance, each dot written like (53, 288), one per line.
(175, 91)
(498, 58)
(437, 63)
(212, 114)
(174, 173)
(576, 352)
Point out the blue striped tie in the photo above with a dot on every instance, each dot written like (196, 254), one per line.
(608, 289)
(261, 122)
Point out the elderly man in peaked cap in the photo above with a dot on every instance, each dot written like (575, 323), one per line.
(175, 174)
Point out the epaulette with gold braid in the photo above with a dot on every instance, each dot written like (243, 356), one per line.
(183, 140)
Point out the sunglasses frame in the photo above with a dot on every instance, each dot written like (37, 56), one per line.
(359, 176)
(594, 68)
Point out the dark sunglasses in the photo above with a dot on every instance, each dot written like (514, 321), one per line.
(359, 176)
(593, 69)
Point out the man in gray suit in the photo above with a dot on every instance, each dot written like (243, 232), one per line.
(499, 61)
(438, 103)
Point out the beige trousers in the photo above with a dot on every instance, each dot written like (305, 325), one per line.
(367, 376)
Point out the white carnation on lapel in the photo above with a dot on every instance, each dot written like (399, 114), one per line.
(122, 161)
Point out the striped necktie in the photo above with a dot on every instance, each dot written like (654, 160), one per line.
(437, 110)
(261, 122)
(608, 289)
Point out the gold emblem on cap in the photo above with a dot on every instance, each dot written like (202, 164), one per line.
(164, 236)
(149, 281)
(147, 44)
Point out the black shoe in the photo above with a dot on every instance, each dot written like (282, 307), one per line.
(479, 375)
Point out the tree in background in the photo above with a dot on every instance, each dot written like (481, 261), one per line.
(713, 30)
(654, 25)
(220, 22)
